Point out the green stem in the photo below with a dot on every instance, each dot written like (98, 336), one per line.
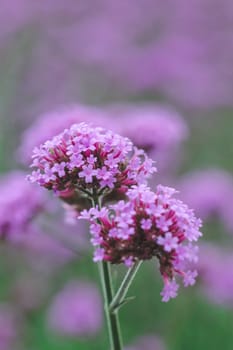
(112, 319)
(119, 298)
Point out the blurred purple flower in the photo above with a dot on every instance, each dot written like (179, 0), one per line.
(157, 129)
(147, 342)
(76, 311)
(20, 202)
(23, 222)
(50, 124)
(216, 273)
(207, 192)
(181, 50)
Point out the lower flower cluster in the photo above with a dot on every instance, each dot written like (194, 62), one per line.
(144, 226)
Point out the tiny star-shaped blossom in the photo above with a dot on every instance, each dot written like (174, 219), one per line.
(49, 175)
(59, 168)
(169, 291)
(146, 224)
(190, 278)
(163, 223)
(168, 242)
(88, 173)
(98, 255)
(128, 261)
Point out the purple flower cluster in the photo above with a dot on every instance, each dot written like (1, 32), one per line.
(76, 310)
(216, 273)
(157, 129)
(151, 127)
(53, 123)
(98, 165)
(89, 161)
(20, 202)
(148, 225)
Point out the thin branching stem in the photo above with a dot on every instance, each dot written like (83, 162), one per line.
(107, 287)
(119, 298)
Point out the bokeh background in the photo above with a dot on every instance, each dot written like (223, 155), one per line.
(160, 72)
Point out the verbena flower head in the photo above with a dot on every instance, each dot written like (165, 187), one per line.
(50, 124)
(148, 225)
(90, 161)
(76, 310)
(20, 202)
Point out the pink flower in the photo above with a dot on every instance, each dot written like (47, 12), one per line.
(168, 242)
(189, 278)
(84, 159)
(163, 223)
(146, 224)
(50, 124)
(128, 261)
(99, 253)
(128, 232)
(88, 173)
(59, 168)
(169, 291)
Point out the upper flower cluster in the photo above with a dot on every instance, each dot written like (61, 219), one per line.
(50, 124)
(149, 224)
(91, 161)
